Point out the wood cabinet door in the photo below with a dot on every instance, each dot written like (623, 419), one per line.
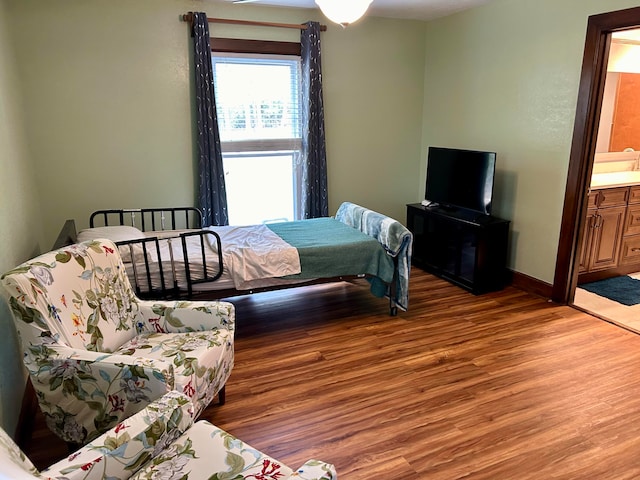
(607, 237)
(587, 236)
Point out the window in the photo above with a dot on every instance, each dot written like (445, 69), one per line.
(258, 109)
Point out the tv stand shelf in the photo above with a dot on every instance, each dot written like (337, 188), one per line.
(466, 248)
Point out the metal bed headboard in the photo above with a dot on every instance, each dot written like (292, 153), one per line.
(149, 219)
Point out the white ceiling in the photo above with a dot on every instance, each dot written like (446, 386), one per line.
(407, 9)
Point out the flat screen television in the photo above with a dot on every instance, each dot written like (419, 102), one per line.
(460, 179)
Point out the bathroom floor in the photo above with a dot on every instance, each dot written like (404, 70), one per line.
(610, 310)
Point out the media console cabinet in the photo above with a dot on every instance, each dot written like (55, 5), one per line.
(466, 249)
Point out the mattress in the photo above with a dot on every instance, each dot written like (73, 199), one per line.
(260, 256)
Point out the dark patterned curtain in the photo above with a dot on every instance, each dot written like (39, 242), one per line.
(212, 194)
(314, 156)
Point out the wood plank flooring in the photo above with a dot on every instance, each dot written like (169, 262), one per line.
(501, 386)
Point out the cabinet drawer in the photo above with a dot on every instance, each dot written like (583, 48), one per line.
(630, 251)
(634, 194)
(592, 200)
(612, 197)
(632, 222)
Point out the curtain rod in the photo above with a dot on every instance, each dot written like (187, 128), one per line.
(188, 17)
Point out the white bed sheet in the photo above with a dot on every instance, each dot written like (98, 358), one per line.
(254, 253)
(253, 257)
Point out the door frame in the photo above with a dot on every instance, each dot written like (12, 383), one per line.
(583, 146)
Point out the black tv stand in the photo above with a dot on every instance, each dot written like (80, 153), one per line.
(465, 247)
(459, 213)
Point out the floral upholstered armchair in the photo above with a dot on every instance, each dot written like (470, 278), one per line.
(96, 354)
(161, 442)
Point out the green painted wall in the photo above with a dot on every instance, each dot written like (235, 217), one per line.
(109, 102)
(19, 221)
(504, 77)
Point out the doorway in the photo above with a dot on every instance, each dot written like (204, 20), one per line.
(609, 279)
(583, 147)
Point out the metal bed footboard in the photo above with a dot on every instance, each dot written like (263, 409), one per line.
(154, 277)
(192, 273)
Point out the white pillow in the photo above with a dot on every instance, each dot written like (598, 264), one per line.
(119, 233)
(116, 233)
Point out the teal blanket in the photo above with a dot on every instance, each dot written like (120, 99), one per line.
(329, 248)
(395, 237)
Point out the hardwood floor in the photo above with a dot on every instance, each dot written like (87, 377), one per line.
(500, 386)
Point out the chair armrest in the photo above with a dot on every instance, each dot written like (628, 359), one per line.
(121, 451)
(315, 470)
(84, 393)
(185, 316)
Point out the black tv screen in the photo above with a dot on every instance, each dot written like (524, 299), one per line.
(460, 178)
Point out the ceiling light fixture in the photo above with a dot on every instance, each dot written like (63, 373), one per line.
(343, 12)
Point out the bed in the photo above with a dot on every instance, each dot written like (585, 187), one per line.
(168, 253)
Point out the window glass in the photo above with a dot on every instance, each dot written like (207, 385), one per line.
(257, 98)
(258, 107)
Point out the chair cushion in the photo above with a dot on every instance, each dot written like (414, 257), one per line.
(208, 453)
(202, 360)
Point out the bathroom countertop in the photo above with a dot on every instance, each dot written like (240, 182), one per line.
(615, 179)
